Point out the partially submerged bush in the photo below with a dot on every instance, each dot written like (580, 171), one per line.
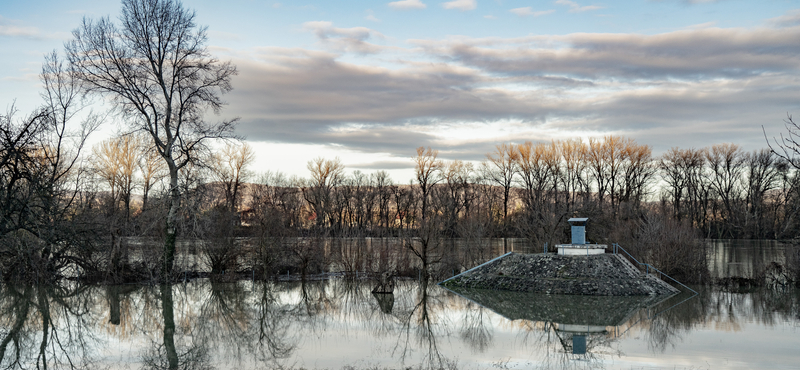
(672, 246)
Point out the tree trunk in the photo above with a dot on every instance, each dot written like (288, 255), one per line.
(171, 223)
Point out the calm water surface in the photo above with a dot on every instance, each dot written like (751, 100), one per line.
(339, 324)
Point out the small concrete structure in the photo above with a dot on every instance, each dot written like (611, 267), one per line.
(578, 247)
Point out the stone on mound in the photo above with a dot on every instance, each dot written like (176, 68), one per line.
(602, 275)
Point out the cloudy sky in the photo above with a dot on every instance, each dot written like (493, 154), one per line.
(369, 81)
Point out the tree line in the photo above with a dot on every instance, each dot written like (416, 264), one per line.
(530, 189)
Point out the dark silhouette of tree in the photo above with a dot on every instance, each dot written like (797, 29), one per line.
(44, 228)
(788, 147)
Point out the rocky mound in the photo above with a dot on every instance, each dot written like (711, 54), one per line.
(602, 275)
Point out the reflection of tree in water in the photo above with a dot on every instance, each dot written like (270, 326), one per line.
(310, 311)
(46, 326)
(244, 324)
(221, 322)
(421, 319)
(169, 354)
(476, 328)
(665, 325)
(272, 329)
(721, 309)
(201, 324)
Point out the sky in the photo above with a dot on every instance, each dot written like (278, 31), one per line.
(370, 81)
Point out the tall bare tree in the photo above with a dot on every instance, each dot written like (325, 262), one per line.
(763, 175)
(455, 198)
(726, 164)
(500, 169)
(674, 165)
(638, 169)
(230, 167)
(573, 153)
(116, 162)
(157, 72)
(383, 184)
(428, 170)
(326, 175)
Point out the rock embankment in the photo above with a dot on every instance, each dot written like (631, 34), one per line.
(602, 275)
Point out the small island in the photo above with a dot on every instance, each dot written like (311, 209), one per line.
(577, 269)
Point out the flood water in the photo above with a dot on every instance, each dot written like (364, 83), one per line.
(339, 324)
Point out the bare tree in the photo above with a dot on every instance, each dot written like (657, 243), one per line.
(455, 198)
(788, 147)
(43, 229)
(726, 162)
(500, 169)
(383, 184)
(536, 172)
(229, 166)
(428, 170)
(157, 72)
(116, 162)
(673, 166)
(326, 175)
(763, 175)
(638, 170)
(573, 153)
(597, 164)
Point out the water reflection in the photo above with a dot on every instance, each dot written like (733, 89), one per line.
(423, 325)
(743, 258)
(340, 323)
(46, 326)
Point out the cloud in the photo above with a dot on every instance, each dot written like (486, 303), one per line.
(791, 18)
(384, 165)
(690, 2)
(692, 54)
(529, 12)
(688, 88)
(301, 96)
(461, 4)
(701, 25)
(345, 39)
(407, 4)
(11, 29)
(576, 8)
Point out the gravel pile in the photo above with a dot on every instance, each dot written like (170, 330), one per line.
(601, 275)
